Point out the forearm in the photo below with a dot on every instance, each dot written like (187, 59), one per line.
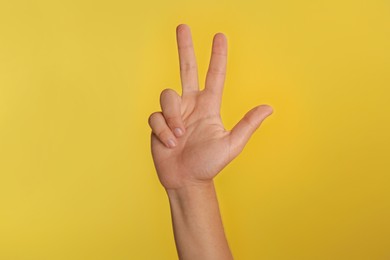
(197, 223)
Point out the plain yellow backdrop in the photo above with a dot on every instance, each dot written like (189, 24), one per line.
(78, 80)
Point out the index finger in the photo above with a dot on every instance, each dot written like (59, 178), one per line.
(188, 66)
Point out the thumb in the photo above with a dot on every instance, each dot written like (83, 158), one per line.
(244, 129)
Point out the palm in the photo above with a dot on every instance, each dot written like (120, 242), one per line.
(201, 153)
(206, 147)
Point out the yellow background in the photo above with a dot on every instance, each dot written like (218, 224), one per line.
(78, 80)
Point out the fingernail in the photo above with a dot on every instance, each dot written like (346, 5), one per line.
(178, 132)
(171, 143)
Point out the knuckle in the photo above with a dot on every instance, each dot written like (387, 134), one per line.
(219, 52)
(188, 66)
(164, 135)
(152, 117)
(217, 71)
(166, 91)
(185, 47)
(173, 120)
(249, 122)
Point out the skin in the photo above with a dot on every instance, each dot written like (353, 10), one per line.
(190, 146)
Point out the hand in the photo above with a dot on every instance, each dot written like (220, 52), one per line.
(189, 142)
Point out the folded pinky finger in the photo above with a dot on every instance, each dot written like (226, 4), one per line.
(161, 129)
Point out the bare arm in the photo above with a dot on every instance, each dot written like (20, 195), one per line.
(197, 223)
(190, 147)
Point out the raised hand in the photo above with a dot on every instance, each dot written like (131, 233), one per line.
(189, 142)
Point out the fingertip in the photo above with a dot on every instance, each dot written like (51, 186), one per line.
(151, 118)
(182, 27)
(161, 130)
(270, 110)
(266, 109)
(171, 143)
(220, 41)
(167, 93)
(178, 131)
(220, 36)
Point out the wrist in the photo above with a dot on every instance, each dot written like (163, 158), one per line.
(190, 190)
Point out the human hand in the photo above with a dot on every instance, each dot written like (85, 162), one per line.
(202, 147)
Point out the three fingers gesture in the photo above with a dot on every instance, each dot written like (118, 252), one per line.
(189, 142)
